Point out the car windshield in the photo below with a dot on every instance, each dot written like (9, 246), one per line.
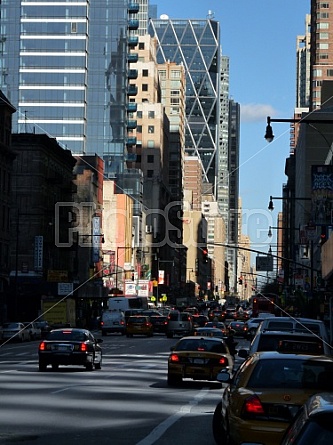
(288, 373)
(201, 345)
(137, 320)
(271, 342)
(67, 336)
(10, 325)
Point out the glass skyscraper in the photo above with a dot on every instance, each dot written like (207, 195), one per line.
(64, 67)
(195, 44)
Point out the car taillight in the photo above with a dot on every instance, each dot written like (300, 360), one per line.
(174, 358)
(102, 323)
(122, 322)
(42, 346)
(223, 361)
(252, 405)
(83, 347)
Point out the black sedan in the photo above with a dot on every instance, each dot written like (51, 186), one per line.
(160, 323)
(70, 346)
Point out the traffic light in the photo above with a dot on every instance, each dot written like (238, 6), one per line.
(205, 256)
(323, 235)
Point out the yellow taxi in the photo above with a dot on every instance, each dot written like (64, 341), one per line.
(261, 399)
(139, 325)
(198, 357)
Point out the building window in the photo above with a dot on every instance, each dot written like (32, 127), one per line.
(162, 74)
(139, 114)
(141, 45)
(329, 73)
(74, 27)
(144, 87)
(175, 74)
(151, 129)
(322, 25)
(139, 129)
(150, 159)
(151, 114)
(150, 144)
(144, 73)
(150, 173)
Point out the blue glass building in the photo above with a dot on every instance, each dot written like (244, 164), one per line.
(64, 67)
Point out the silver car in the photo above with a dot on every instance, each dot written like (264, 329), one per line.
(15, 331)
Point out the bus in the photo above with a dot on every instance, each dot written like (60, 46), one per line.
(265, 303)
(124, 303)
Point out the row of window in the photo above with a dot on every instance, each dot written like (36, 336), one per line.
(319, 73)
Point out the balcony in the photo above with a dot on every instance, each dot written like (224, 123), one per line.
(133, 24)
(132, 90)
(132, 124)
(131, 141)
(132, 57)
(133, 8)
(132, 74)
(133, 41)
(131, 107)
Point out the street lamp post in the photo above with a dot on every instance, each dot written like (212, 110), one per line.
(269, 136)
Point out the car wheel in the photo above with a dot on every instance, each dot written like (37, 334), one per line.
(104, 333)
(221, 436)
(98, 365)
(42, 366)
(174, 380)
(55, 367)
(169, 335)
(90, 365)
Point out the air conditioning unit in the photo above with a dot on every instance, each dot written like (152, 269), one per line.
(149, 229)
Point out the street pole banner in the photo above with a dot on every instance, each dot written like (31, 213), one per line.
(161, 277)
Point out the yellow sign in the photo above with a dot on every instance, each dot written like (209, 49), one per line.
(152, 298)
(164, 298)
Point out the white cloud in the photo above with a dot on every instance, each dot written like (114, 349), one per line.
(256, 112)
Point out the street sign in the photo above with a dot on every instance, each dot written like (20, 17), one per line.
(264, 263)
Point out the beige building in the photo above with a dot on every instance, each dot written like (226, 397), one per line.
(118, 253)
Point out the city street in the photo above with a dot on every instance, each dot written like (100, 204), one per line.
(127, 402)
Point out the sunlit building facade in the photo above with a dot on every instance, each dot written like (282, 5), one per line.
(195, 45)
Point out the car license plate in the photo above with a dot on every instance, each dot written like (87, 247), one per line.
(198, 361)
(116, 322)
(62, 348)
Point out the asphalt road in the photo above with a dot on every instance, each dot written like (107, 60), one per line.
(127, 402)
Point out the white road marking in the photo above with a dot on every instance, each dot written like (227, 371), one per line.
(167, 423)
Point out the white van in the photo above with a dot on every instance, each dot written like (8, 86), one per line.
(113, 320)
(179, 323)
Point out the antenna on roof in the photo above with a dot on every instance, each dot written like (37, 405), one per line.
(210, 14)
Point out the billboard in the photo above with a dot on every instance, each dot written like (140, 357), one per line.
(322, 194)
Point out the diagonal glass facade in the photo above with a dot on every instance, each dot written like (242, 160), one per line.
(195, 44)
(64, 68)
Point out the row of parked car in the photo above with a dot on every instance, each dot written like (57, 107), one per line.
(24, 331)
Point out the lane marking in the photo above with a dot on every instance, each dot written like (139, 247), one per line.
(158, 431)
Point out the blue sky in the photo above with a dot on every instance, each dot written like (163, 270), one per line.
(259, 37)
